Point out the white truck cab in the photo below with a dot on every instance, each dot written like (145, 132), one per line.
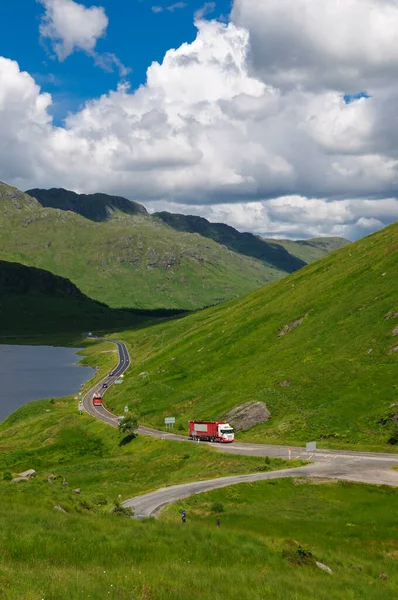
(226, 432)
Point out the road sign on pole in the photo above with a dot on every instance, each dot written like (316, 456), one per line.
(311, 447)
(126, 409)
(169, 422)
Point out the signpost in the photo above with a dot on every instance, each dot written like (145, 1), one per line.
(80, 407)
(169, 422)
(311, 447)
(126, 409)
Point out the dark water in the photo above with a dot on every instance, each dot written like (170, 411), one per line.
(37, 372)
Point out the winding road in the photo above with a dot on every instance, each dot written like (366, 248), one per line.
(363, 467)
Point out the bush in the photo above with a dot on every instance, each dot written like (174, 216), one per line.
(393, 440)
(99, 500)
(7, 476)
(181, 427)
(299, 555)
(217, 507)
(122, 511)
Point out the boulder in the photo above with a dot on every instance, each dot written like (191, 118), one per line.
(78, 491)
(395, 331)
(288, 328)
(285, 383)
(19, 479)
(59, 508)
(324, 568)
(248, 415)
(28, 474)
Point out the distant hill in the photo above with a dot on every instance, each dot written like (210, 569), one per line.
(34, 301)
(319, 347)
(243, 243)
(312, 249)
(121, 255)
(96, 207)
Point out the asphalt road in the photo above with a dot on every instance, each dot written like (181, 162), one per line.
(364, 467)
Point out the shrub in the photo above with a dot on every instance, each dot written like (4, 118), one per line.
(7, 476)
(99, 500)
(122, 511)
(217, 507)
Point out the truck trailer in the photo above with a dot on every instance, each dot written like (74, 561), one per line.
(211, 431)
(97, 399)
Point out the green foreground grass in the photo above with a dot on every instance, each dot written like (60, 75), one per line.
(332, 378)
(88, 552)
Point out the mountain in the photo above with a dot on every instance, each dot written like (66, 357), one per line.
(243, 243)
(125, 260)
(312, 249)
(34, 301)
(319, 347)
(96, 207)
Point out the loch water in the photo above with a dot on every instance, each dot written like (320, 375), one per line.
(37, 372)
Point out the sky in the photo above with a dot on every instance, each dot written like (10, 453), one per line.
(274, 116)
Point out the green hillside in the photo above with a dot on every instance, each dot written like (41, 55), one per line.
(312, 249)
(126, 260)
(243, 243)
(332, 378)
(34, 301)
(62, 545)
(96, 207)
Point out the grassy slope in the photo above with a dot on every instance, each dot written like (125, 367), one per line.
(34, 301)
(130, 260)
(313, 249)
(343, 377)
(243, 243)
(89, 553)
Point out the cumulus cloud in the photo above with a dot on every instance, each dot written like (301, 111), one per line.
(223, 128)
(71, 26)
(334, 44)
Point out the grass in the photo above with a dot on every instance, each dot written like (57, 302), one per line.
(88, 552)
(49, 555)
(338, 363)
(46, 553)
(127, 261)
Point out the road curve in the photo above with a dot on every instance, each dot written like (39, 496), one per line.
(100, 412)
(361, 467)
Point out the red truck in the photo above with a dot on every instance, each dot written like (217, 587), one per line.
(211, 431)
(97, 399)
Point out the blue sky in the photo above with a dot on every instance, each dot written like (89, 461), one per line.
(258, 117)
(136, 34)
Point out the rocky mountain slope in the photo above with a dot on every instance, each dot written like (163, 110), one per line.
(125, 260)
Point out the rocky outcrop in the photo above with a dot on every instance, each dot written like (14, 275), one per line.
(285, 383)
(25, 476)
(248, 415)
(288, 328)
(391, 315)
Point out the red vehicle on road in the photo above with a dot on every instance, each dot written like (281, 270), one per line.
(211, 431)
(97, 399)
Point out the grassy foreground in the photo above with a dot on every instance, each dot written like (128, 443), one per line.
(331, 378)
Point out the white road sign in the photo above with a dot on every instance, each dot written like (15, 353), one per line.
(126, 409)
(169, 420)
(311, 447)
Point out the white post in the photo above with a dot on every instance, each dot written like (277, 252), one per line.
(290, 454)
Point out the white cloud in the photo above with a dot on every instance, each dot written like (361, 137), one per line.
(225, 129)
(71, 26)
(336, 44)
(170, 8)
